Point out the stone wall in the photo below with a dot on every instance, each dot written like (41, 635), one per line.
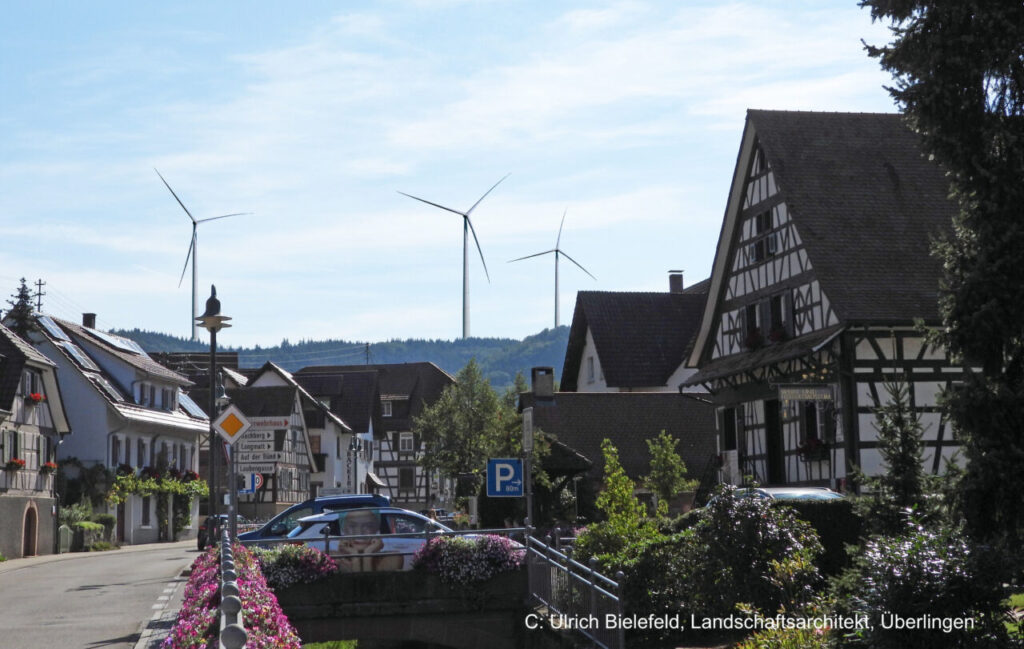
(12, 524)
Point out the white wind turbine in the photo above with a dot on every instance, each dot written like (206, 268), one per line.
(558, 252)
(193, 251)
(467, 228)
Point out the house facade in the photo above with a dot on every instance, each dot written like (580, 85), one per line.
(405, 389)
(633, 342)
(820, 278)
(127, 413)
(32, 425)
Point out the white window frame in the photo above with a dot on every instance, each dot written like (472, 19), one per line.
(385, 408)
(403, 438)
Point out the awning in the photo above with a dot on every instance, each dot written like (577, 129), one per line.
(373, 480)
(778, 353)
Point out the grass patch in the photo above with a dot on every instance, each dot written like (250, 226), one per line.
(334, 644)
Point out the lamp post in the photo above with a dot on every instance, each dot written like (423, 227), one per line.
(213, 322)
(355, 446)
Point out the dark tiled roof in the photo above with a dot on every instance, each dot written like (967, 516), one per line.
(581, 420)
(271, 401)
(420, 382)
(139, 361)
(867, 205)
(641, 338)
(353, 395)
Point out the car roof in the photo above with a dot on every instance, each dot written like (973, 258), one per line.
(801, 493)
(327, 516)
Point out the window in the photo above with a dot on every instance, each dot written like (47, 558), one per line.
(729, 429)
(146, 507)
(406, 478)
(385, 408)
(765, 243)
(115, 451)
(314, 443)
(405, 443)
(140, 454)
(29, 383)
(590, 369)
(152, 396)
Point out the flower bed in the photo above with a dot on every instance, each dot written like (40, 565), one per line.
(461, 560)
(197, 624)
(288, 565)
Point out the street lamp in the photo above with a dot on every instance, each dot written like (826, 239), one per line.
(213, 322)
(355, 446)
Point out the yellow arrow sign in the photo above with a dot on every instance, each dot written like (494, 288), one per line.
(231, 424)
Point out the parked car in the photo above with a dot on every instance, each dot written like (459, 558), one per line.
(789, 493)
(211, 526)
(279, 526)
(364, 525)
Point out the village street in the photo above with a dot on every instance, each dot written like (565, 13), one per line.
(88, 600)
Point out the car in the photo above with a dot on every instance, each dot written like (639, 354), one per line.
(790, 493)
(278, 526)
(371, 531)
(210, 527)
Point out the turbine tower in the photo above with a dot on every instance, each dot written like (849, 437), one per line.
(193, 251)
(467, 228)
(558, 252)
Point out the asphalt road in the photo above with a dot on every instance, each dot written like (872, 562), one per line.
(88, 600)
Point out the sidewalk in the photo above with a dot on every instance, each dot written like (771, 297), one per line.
(16, 564)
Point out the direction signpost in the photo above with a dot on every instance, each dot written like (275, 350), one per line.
(232, 425)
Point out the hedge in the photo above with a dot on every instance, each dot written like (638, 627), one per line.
(836, 524)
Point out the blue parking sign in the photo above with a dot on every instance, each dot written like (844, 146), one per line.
(505, 478)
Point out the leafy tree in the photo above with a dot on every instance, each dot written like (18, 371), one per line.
(463, 427)
(668, 471)
(959, 79)
(623, 511)
(20, 317)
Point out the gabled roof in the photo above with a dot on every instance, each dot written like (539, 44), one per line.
(420, 383)
(15, 353)
(866, 203)
(353, 395)
(582, 420)
(641, 338)
(139, 360)
(269, 401)
(306, 398)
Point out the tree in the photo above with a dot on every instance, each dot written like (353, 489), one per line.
(959, 79)
(624, 513)
(464, 427)
(20, 317)
(668, 471)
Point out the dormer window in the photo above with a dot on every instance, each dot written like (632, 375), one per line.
(385, 408)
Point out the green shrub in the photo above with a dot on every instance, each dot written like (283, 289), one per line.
(2, 558)
(71, 514)
(87, 526)
(837, 525)
(787, 639)
(743, 551)
(101, 546)
(931, 574)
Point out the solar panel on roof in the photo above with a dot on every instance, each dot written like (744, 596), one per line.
(124, 344)
(52, 327)
(190, 406)
(83, 361)
(109, 389)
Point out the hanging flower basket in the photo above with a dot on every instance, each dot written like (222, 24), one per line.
(48, 468)
(34, 398)
(15, 464)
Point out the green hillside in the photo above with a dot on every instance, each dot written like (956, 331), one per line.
(499, 358)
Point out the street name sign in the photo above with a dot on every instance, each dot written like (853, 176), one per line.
(257, 467)
(504, 478)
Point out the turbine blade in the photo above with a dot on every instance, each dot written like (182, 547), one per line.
(422, 200)
(559, 239)
(578, 265)
(470, 210)
(530, 256)
(223, 216)
(477, 242)
(175, 196)
(191, 247)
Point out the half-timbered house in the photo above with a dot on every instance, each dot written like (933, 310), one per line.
(32, 425)
(821, 276)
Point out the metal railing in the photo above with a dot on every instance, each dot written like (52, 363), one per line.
(232, 629)
(573, 596)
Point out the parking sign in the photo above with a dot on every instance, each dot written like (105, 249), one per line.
(505, 478)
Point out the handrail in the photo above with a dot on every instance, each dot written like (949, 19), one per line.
(232, 629)
(557, 585)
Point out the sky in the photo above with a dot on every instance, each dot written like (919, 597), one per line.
(314, 115)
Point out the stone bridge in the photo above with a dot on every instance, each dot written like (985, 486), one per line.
(410, 606)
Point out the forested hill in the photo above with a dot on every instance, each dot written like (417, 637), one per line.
(499, 358)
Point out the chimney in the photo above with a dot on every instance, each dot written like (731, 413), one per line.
(675, 281)
(542, 382)
(89, 320)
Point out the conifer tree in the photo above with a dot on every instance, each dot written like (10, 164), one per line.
(20, 317)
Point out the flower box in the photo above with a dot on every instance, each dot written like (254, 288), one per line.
(15, 464)
(34, 398)
(48, 468)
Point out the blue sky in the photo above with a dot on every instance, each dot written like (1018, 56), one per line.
(313, 115)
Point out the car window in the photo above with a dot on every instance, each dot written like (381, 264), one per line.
(360, 521)
(404, 524)
(289, 520)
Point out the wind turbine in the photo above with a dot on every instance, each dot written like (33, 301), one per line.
(193, 251)
(558, 251)
(467, 228)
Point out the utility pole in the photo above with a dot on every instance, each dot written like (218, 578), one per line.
(39, 295)
(367, 353)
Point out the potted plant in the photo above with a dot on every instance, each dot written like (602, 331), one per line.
(34, 398)
(813, 450)
(15, 464)
(48, 468)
